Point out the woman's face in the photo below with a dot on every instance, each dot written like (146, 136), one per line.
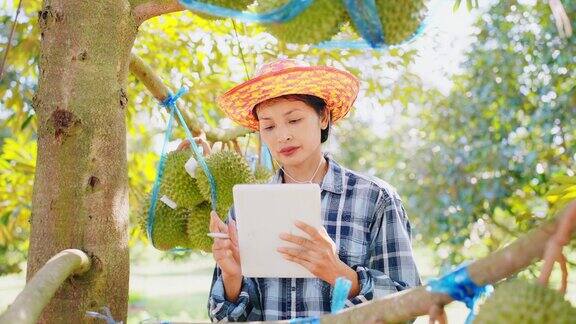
(291, 130)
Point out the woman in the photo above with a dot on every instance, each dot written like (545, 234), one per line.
(366, 234)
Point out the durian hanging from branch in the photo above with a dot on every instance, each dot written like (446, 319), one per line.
(321, 21)
(379, 22)
(182, 214)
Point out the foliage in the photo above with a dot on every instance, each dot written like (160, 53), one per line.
(474, 167)
(17, 133)
(184, 49)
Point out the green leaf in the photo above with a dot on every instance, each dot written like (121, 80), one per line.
(27, 121)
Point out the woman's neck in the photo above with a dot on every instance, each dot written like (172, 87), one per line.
(315, 165)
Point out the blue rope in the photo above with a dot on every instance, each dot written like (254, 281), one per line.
(200, 159)
(282, 14)
(364, 16)
(372, 43)
(170, 103)
(266, 157)
(363, 13)
(460, 287)
(339, 296)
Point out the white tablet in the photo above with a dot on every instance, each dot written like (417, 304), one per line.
(263, 211)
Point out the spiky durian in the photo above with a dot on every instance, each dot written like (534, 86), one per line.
(262, 174)
(199, 226)
(319, 22)
(169, 227)
(177, 184)
(400, 19)
(228, 169)
(230, 4)
(520, 301)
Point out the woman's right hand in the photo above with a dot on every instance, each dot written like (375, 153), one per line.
(225, 251)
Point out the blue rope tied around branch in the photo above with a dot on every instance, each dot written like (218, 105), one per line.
(460, 287)
(170, 103)
(282, 14)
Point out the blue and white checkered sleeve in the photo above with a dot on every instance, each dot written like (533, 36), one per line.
(391, 266)
(245, 308)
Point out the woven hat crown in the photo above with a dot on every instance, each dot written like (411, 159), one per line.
(277, 65)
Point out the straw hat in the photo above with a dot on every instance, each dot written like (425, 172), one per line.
(337, 87)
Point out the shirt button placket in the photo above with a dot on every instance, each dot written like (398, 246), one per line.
(293, 298)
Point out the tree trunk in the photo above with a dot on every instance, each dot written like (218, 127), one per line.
(80, 197)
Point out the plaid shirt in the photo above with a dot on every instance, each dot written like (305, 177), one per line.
(365, 218)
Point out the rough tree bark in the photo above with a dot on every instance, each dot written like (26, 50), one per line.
(80, 197)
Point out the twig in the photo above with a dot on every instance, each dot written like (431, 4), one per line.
(561, 18)
(38, 292)
(9, 44)
(160, 91)
(553, 251)
(151, 9)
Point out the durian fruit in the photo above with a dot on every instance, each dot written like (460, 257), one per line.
(262, 174)
(199, 226)
(319, 22)
(520, 301)
(228, 169)
(177, 184)
(400, 18)
(170, 225)
(239, 5)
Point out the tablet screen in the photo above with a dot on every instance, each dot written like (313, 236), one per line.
(263, 211)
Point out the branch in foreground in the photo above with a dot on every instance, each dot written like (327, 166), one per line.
(38, 292)
(415, 302)
(153, 8)
(160, 91)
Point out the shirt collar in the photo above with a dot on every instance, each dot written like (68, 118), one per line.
(332, 181)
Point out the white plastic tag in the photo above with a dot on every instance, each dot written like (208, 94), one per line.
(169, 202)
(190, 166)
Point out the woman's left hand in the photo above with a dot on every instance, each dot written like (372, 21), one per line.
(317, 253)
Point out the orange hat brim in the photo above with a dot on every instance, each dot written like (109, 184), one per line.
(337, 87)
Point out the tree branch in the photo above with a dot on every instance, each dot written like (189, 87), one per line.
(153, 8)
(499, 265)
(160, 91)
(38, 292)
